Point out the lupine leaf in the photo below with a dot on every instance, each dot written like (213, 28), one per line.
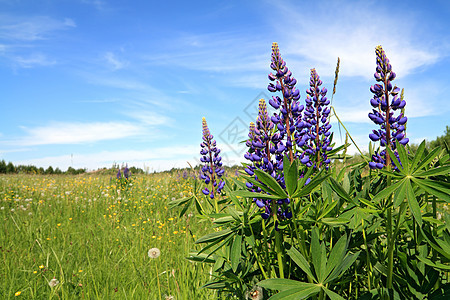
(433, 264)
(432, 242)
(272, 183)
(340, 190)
(249, 194)
(412, 202)
(445, 170)
(236, 252)
(300, 261)
(296, 293)
(333, 295)
(318, 254)
(432, 155)
(291, 178)
(282, 284)
(400, 194)
(403, 156)
(303, 190)
(335, 221)
(383, 194)
(418, 156)
(434, 188)
(210, 237)
(202, 257)
(396, 162)
(336, 256)
(328, 209)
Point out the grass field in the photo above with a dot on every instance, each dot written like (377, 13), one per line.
(94, 239)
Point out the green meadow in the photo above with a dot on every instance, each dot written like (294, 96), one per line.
(93, 239)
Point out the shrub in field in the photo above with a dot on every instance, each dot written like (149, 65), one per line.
(293, 226)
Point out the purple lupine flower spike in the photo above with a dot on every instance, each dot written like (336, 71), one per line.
(119, 175)
(126, 172)
(313, 132)
(212, 170)
(385, 102)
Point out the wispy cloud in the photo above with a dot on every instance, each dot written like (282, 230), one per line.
(351, 31)
(76, 133)
(33, 60)
(158, 159)
(31, 29)
(114, 62)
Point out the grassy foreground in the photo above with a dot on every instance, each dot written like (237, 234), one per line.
(94, 239)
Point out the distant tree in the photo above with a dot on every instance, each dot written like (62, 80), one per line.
(442, 140)
(10, 168)
(49, 170)
(58, 171)
(2, 167)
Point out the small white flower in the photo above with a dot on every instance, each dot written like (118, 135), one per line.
(169, 297)
(54, 282)
(2, 208)
(154, 253)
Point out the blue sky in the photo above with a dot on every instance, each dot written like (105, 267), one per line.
(88, 82)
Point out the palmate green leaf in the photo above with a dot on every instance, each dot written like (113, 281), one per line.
(333, 295)
(248, 194)
(396, 162)
(300, 261)
(418, 155)
(202, 257)
(318, 253)
(303, 190)
(290, 175)
(445, 170)
(338, 189)
(211, 237)
(283, 284)
(426, 161)
(412, 202)
(297, 293)
(433, 187)
(328, 209)
(433, 243)
(403, 156)
(236, 252)
(335, 221)
(435, 265)
(383, 194)
(400, 194)
(272, 183)
(336, 256)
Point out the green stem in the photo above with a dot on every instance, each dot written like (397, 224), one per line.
(279, 250)
(157, 278)
(349, 135)
(390, 246)
(369, 264)
(266, 245)
(257, 257)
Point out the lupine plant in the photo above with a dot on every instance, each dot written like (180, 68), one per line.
(294, 226)
(123, 179)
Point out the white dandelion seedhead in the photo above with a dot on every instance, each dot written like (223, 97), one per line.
(54, 282)
(154, 253)
(255, 294)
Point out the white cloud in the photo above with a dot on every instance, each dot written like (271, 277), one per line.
(158, 159)
(351, 31)
(31, 29)
(114, 62)
(76, 133)
(34, 60)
